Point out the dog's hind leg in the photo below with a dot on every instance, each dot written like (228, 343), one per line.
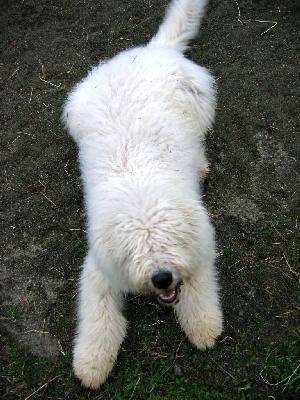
(203, 167)
(203, 171)
(198, 309)
(101, 327)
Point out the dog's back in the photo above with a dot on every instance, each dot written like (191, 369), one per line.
(145, 80)
(146, 104)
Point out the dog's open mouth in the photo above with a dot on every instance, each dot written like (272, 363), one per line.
(168, 296)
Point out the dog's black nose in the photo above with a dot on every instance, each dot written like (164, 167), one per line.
(162, 279)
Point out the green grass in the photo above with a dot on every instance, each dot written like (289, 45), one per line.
(257, 357)
(233, 370)
(79, 248)
(10, 312)
(62, 87)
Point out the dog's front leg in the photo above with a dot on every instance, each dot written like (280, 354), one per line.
(198, 310)
(101, 327)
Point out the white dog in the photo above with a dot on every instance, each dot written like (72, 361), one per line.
(139, 121)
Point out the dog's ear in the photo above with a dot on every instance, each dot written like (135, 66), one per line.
(199, 230)
(191, 212)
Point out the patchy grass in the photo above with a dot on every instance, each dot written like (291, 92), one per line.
(9, 312)
(79, 248)
(257, 357)
(232, 370)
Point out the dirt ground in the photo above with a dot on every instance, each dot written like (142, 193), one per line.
(252, 46)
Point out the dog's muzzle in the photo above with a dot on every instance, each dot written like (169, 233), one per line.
(168, 296)
(167, 286)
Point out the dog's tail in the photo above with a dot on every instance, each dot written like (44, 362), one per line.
(180, 24)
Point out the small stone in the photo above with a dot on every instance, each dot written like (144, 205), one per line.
(177, 370)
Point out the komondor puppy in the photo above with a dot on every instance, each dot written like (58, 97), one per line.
(139, 121)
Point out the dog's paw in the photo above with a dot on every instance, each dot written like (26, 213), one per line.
(92, 369)
(204, 333)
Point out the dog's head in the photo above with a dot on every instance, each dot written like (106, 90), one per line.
(154, 246)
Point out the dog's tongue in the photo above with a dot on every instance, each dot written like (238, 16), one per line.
(167, 295)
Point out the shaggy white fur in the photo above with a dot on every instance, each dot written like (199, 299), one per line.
(139, 121)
